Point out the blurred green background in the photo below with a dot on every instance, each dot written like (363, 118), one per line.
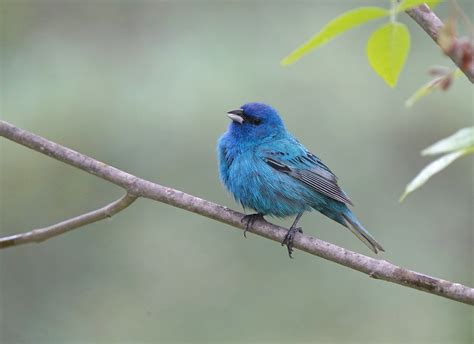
(144, 86)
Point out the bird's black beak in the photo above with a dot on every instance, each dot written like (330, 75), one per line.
(236, 115)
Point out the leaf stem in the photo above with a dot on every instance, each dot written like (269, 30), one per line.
(393, 11)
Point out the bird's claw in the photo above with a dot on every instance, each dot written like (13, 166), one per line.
(289, 237)
(250, 220)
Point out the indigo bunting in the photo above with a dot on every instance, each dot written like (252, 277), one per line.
(265, 168)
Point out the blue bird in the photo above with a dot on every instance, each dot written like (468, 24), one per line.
(265, 168)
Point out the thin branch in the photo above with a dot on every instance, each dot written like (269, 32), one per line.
(42, 234)
(379, 269)
(430, 22)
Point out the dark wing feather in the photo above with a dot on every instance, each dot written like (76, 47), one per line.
(308, 169)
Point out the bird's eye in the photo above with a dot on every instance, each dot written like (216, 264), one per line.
(254, 121)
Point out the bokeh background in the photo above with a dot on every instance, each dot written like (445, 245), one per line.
(144, 86)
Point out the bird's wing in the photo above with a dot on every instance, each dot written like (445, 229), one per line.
(290, 157)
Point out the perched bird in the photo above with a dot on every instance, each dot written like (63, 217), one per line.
(265, 168)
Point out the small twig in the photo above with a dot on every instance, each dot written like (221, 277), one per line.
(137, 187)
(430, 22)
(42, 234)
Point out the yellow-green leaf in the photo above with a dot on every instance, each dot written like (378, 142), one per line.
(335, 27)
(408, 4)
(387, 50)
(462, 139)
(433, 168)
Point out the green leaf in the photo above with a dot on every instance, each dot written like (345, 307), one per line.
(335, 27)
(457, 145)
(408, 4)
(432, 169)
(387, 50)
(462, 139)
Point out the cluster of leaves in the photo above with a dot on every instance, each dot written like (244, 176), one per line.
(461, 143)
(387, 47)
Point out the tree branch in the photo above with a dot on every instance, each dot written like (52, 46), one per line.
(430, 22)
(137, 187)
(42, 234)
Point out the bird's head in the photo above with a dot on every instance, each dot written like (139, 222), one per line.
(255, 121)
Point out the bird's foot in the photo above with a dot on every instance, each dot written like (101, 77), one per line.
(249, 221)
(289, 237)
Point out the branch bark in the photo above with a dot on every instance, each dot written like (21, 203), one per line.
(430, 22)
(137, 187)
(42, 234)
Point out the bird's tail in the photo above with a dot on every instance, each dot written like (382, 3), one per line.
(351, 222)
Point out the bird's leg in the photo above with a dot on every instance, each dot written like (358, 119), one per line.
(288, 240)
(250, 219)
